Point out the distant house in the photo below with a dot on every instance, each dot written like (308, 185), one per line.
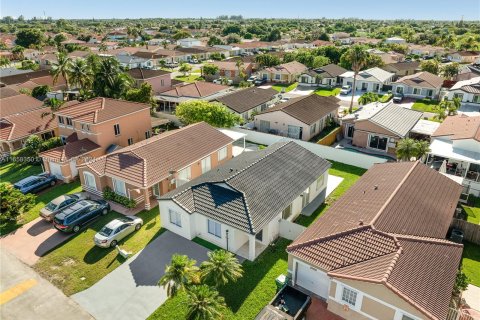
(326, 76)
(133, 61)
(425, 50)
(321, 43)
(230, 70)
(387, 57)
(342, 37)
(464, 56)
(12, 102)
(159, 80)
(468, 91)
(284, 73)
(371, 255)
(467, 72)
(224, 206)
(396, 40)
(117, 36)
(370, 80)
(248, 101)
(299, 118)
(419, 85)
(189, 42)
(403, 68)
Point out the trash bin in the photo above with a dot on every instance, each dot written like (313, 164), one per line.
(281, 281)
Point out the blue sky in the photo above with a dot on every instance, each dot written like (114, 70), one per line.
(368, 9)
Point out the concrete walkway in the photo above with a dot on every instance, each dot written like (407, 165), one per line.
(26, 295)
(472, 297)
(131, 291)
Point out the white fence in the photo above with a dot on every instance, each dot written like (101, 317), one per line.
(290, 230)
(340, 155)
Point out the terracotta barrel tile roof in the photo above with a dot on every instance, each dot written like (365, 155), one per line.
(18, 104)
(459, 127)
(198, 89)
(22, 125)
(70, 151)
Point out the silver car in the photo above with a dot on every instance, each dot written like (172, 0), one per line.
(60, 203)
(116, 230)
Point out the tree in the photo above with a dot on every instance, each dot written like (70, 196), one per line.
(324, 36)
(406, 149)
(54, 105)
(204, 303)
(320, 61)
(33, 143)
(221, 267)
(233, 38)
(81, 74)
(30, 37)
(40, 91)
(367, 98)
(213, 40)
(267, 60)
(29, 65)
(4, 62)
(357, 57)
(143, 94)
(274, 35)
(181, 35)
(109, 81)
(422, 148)
(209, 69)
(14, 203)
(213, 113)
(431, 66)
(450, 106)
(461, 283)
(18, 51)
(62, 68)
(450, 70)
(179, 274)
(59, 38)
(185, 68)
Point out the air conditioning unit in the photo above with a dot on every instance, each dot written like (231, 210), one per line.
(172, 181)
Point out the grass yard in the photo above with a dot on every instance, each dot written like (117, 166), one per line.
(190, 78)
(471, 262)
(246, 297)
(325, 92)
(350, 175)
(472, 210)
(279, 87)
(206, 244)
(385, 98)
(13, 171)
(425, 105)
(79, 258)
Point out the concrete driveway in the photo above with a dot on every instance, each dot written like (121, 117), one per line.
(131, 291)
(33, 240)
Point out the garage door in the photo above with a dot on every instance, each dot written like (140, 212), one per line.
(55, 170)
(73, 168)
(312, 279)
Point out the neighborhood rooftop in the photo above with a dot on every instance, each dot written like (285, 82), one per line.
(422, 79)
(195, 90)
(244, 100)
(459, 127)
(396, 119)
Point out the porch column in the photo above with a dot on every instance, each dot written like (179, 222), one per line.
(147, 199)
(251, 247)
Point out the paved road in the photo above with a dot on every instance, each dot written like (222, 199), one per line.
(25, 295)
(131, 291)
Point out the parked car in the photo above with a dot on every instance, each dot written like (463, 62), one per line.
(194, 61)
(171, 64)
(60, 203)
(345, 90)
(398, 97)
(252, 79)
(223, 81)
(259, 82)
(36, 183)
(116, 230)
(80, 214)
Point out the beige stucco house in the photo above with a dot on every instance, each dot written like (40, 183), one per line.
(284, 73)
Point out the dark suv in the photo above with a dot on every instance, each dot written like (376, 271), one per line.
(80, 214)
(36, 183)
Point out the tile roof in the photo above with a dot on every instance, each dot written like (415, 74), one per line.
(139, 73)
(101, 109)
(230, 65)
(197, 89)
(6, 92)
(459, 127)
(422, 79)
(307, 109)
(230, 192)
(328, 71)
(373, 74)
(150, 161)
(293, 67)
(468, 53)
(70, 151)
(405, 65)
(18, 104)
(246, 99)
(396, 119)
(471, 86)
(22, 125)
(22, 77)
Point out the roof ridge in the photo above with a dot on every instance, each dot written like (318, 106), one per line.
(427, 240)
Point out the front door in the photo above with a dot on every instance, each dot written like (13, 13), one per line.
(364, 86)
(294, 132)
(350, 129)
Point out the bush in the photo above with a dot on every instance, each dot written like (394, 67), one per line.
(51, 143)
(13, 203)
(109, 194)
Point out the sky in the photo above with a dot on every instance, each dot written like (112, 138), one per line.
(366, 9)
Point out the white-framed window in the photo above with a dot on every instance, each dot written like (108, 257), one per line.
(147, 134)
(175, 218)
(320, 181)
(458, 95)
(61, 120)
(89, 180)
(69, 122)
(183, 176)
(119, 187)
(287, 212)
(406, 317)
(378, 142)
(476, 98)
(399, 90)
(156, 190)
(116, 129)
(313, 128)
(349, 296)
(85, 127)
(206, 164)
(429, 93)
(214, 228)
(278, 76)
(222, 153)
(416, 90)
(130, 141)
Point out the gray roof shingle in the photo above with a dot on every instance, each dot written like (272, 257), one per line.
(247, 99)
(397, 119)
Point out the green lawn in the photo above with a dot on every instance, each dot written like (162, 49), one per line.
(385, 97)
(350, 175)
(13, 171)
(77, 264)
(425, 105)
(326, 92)
(471, 262)
(288, 87)
(247, 296)
(189, 78)
(206, 244)
(472, 210)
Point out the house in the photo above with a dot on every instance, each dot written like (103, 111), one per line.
(12, 102)
(468, 72)
(321, 43)
(284, 73)
(248, 102)
(224, 206)
(159, 80)
(117, 36)
(370, 80)
(133, 61)
(419, 85)
(299, 118)
(6, 92)
(93, 128)
(396, 40)
(366, 41)
(468, 91)
(387, 57)
(381, 127)
(403, 68)
(425, 50)
(18, 78)
(326, 76)
(379, 252)
(157, 165)
(189, 42)
(230, 70)
(456, 143)
(342, 37)
(464, 56)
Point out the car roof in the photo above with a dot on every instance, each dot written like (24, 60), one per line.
(117, 222)
(77, 206)
(27, 179)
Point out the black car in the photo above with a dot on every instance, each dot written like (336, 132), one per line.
(259, 82)
(80, 214)
(36, 183)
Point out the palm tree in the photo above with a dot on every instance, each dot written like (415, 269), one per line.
(406, 149)
(109, 80)
(181, 272)
(221, 267)
(422, 149)
(204, 303)
(81, 74)
(358, 57)
(54, 105)
(62, 68)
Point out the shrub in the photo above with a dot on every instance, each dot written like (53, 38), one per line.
(13, 203)
(109, 194)
(51, 143)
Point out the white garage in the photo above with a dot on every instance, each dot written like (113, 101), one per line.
(55, 169)
(312, 279)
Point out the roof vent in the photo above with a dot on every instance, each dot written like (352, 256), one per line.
(360, 222)
(231, 169)
(375, 187)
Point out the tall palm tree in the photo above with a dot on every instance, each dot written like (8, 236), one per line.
(358, 57)
(406, 149)
(181, 272)
(54, 105)
(62, 68)
(422, 149)
(204, 303)
(221, 267)
(109, 80)
(81, 74)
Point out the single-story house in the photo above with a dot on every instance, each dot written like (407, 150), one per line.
(160, 80)
(425, 50)
(284, 73)
(249, 101)
(230, 70)
(370, 80)
(468, 91)
(396, 40)
(189, 42)
(157, 165)
(225, 207)
(342, 37)
(387, 57)
(299, 118)
(379, 252)
(464, 56)
(403, 68)
(326, 76)
(419, 85)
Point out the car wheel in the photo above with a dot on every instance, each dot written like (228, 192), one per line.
(104, 211)
(76, 229)
(113, 244)
(52, 183)
(138, 226)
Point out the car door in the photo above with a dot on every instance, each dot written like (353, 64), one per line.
(82, 216)
(122, 231)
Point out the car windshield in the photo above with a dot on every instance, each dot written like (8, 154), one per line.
(105, 231)
(51, 206)
(346, 87)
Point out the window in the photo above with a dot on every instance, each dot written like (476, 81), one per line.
(287, 212)
(313, 128)
(119, 187)
(377, 142)
(458, 95)
(206, 165)
(277, 76)
(175, 218)
(349, 296)
(89, 180)
(264, 126)
(416, 91)
(61, 120)
(405, 317)
(222, 153)
(162, 82)
(85, 127)
(429, 93)
(350, 130)
(130, 141)
(214, 228)
(147, 134)
(320, 181)
(399, 90)
(156, 190)
(69, 122)
(116, 129)
(183, 176)
(476, 98)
